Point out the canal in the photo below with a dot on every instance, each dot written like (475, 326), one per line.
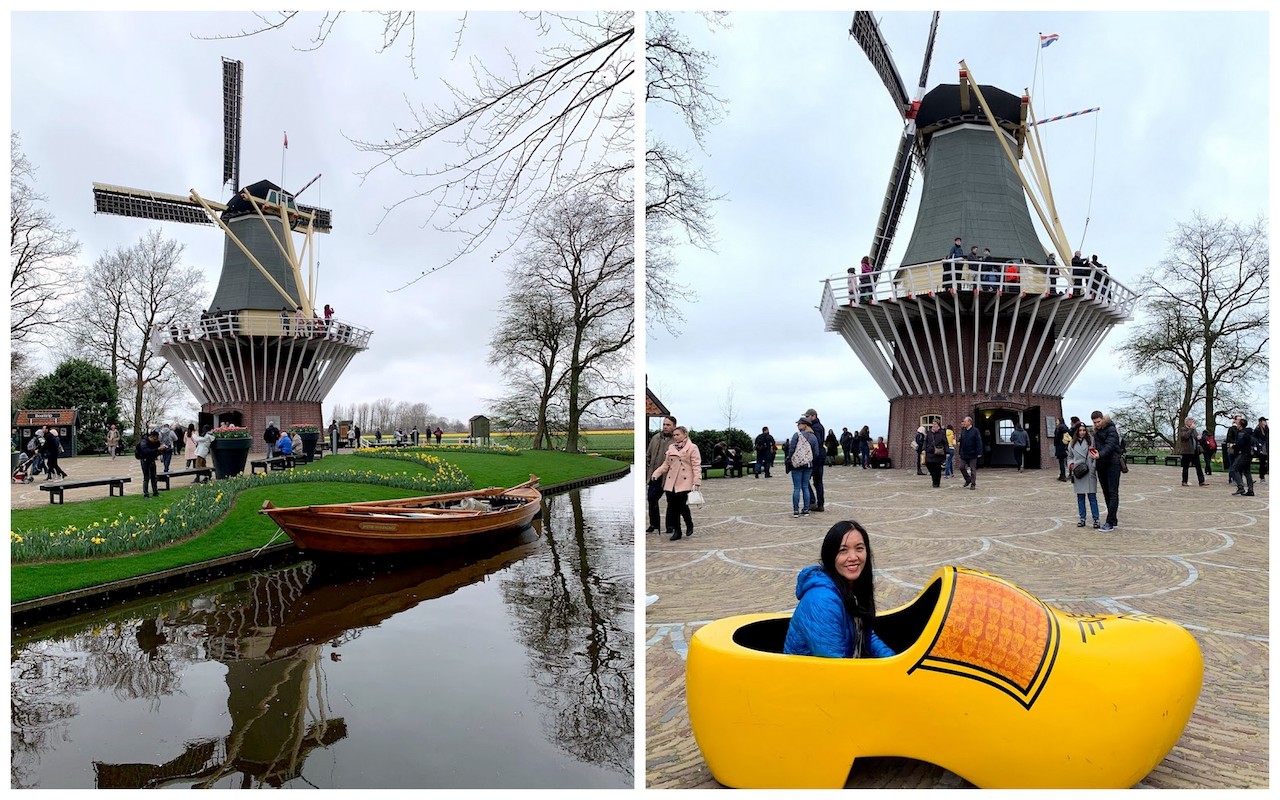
(506, 667)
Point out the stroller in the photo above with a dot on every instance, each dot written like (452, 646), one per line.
(31, 466)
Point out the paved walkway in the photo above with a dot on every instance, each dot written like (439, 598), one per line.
(1195, 555)
(28, 495)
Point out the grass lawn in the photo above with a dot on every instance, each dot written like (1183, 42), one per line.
(244, 529)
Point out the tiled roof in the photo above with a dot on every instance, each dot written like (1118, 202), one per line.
(46, 416)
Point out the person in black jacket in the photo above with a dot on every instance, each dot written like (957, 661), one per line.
(149, 449)
(271, 435)
(970, 450)
(1260, 437)
(820, 433)
(935, 452)
(1108, 456)
(766, 447)
(51, 449)
(1060, 446)
(1241, 466)
(846, 445)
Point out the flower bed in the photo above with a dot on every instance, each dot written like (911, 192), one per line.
(415, 454)
(197, 510)
(303, 429)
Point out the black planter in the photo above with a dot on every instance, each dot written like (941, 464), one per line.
(309, 445)
(230, 456)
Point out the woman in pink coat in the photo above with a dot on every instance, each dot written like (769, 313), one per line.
(683, 470)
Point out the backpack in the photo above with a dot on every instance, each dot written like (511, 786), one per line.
(802, 456)
(137, 450)
(1210, 442)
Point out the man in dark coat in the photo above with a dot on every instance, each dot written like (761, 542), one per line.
(1106, 441)
(820, 433)
(655, 454)
(1020, 441)
(1242, 464)
(846, 445)
(271, 435)
(1260, 436)
(970, 450)
(1229, 448)
(51, 449)
(149, 449)
(1060, 446)
(766, 448)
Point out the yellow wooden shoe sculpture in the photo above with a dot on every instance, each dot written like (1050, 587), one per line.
(988, 682)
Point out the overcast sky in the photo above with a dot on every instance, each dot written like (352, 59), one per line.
(133, 99)
(805, 152)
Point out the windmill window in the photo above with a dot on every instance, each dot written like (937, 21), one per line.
(1004, 430)
(997, 352)
(928, 419)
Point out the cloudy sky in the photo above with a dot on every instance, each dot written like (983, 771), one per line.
(804, 154)
(133, 99)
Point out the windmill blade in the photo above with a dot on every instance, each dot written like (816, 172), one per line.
(866, 32)
(895, 197)
(126, 202)
(232, 114)
(323, 218)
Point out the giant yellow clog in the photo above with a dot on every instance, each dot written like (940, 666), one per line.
(988, 682)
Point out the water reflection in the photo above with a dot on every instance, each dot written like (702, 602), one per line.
(247, 682)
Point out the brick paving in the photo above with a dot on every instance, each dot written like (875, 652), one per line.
(1198, 556)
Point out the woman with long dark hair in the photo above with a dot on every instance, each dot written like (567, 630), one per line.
(837, 600)
(1085, 486)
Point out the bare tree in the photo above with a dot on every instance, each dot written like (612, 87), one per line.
(677, 198)
(151, 288)
(1207, 325)
(40, 253)
(581, 255)
(529, 343)
(728, 407)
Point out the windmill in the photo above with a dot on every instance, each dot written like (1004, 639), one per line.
(998, 340)
(261, 352)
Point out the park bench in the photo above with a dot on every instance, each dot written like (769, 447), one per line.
(56, 489)
(882, 463)
(1173, 461)
(273, 463)
(202, 475)
(1134, 458)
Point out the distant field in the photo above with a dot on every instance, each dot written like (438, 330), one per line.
(592, 440)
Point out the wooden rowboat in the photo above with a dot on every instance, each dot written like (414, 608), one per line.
(413, 524)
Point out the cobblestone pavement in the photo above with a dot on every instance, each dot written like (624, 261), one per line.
(1195, 555)
(80, 468)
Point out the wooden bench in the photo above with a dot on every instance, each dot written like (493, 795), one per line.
(202, 475)
(1173, 461)
(880, 463)
(273, 463)
(56, 489)
(1134, 458)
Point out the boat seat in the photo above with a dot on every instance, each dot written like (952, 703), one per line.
(898, 629)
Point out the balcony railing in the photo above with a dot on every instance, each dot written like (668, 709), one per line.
(260, 323)
(972, 276)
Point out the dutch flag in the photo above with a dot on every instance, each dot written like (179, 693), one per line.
(1045, 41)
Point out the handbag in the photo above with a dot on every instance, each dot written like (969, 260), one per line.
(1080, 472)
(695, 498)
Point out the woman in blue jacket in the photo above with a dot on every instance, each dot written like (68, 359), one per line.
(837, 601)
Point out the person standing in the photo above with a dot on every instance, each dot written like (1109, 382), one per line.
(866, 292)
(203, 443)
(949, 469)
(189, 445)
(1108, 457)
(1229, 448)
(271, 435)
(1188, 446)
(802, 453)
(355, 436)
(1242, 466)
(113, 441)
(1208, 447)
(953, 259)
(167, 439)
(970, 448)
(377, 435)
(1061, 443)
(149, 449)
(935, 452)
(52, 449)
(439, 433)
(833, 449)
(866, 446)
(1020, 441)
(1260, 436)
(919, 449)
(655, 454)
(1086, 485)
(846, 446)
(819, 432)
(681, 471)
(765, 449)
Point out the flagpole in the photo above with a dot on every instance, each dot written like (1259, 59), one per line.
(283, 152)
